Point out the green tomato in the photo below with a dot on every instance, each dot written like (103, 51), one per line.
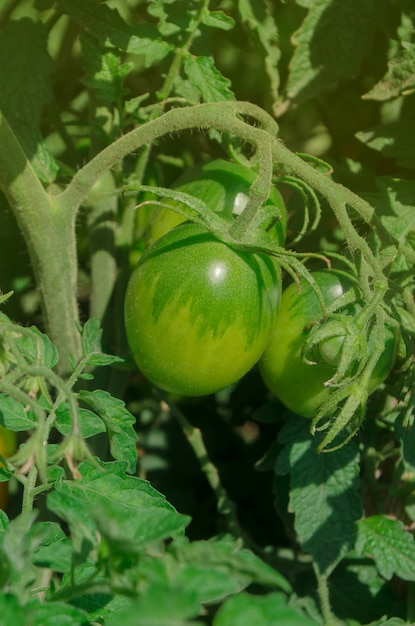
(224, 187)
(300, 385)
(199, 313)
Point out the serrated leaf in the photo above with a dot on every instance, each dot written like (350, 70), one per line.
(394, 202)
(175, 17)
(16, 548)
(218, 19)
(159, 606)
(38, 349)
(126, 510)
(91, 345)
(245, 609)
(25, 88)
(391, 547)
(206, 80)
(89, 422)
(14, 612)
(108, 27)
(14, 416)
(395, 140)
(323, 493)
(331, 43)
(256, 15)
(119, 423)
(217, 568)
(105, 70)
(399, 78)
(26, 68)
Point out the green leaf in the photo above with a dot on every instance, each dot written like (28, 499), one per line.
(14, 416)
(400, 77)
(25, 88)
(159, 606)
(394, 202)
(175, 17)
(18, 543)
(91, 345)
(13, 612)
(323, 493)
(219, 567)
(108, 27)
(105, 71)
(75, 511)
(395, 140)
(90, 423)
(119, 423)
(256, 15)
(391, 547)
(38, 349)
(331, 43)
(206, 81)
(25, 85)
(127, 511)
(246, 610)
(218, 19)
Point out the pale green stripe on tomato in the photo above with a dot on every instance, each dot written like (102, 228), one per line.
(198, 313)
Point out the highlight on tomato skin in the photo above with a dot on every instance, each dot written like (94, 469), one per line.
(7, 448)
(198, 313)
(299, 385)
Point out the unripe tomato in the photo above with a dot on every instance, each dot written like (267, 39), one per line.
(300, 385)
(224, 187)
(7, 448)
(199, 313)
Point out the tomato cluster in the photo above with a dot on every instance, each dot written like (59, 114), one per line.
(297, 382)
(200, 314)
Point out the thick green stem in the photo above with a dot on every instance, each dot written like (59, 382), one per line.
(49, 232)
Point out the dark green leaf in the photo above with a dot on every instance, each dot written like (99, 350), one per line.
(323, 493)
(75, 511)
(217, 568)
(159, 606)
(119, 423)
(218, 19)
(39, 613)
(256, 15)
(25, 88)
(14, 416)
(128, 512)
(206, 82)
(331, 43)
(108, 27)
(247, 610)
(25, 85)
(105, 70)
(399, 78)
(391, 547)
(90, 423)
(395, 140)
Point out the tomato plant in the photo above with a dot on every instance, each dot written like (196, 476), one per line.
(299, 383)
(224, 187)
(198, 313)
